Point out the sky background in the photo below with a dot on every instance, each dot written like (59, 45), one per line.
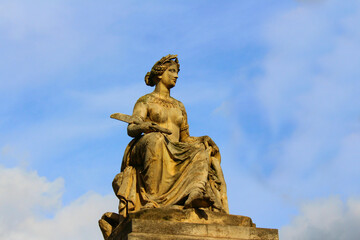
(275, 83)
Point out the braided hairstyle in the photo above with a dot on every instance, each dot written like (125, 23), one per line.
(151, 78)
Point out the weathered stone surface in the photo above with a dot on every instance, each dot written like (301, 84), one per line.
(167, 175)
(189, 224)
(163, 166)
(192, 215)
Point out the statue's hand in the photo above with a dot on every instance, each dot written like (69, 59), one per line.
(208, 142)
(153, 127)
(146, 127)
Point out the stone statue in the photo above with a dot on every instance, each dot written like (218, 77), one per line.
(163, 166)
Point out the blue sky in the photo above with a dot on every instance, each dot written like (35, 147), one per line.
(274, 83)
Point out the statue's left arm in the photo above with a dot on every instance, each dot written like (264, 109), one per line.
(185, 134)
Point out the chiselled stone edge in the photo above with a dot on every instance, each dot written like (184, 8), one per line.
(177, 230)
(146, 236)
(193, 215)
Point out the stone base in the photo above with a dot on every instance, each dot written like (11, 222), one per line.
(175, 224)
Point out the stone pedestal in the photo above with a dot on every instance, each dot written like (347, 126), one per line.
(176, 224)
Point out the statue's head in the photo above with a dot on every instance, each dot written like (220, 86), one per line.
(152, 77)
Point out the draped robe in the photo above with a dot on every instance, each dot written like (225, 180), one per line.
(158, 172)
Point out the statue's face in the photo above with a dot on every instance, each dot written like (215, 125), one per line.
(169, 77)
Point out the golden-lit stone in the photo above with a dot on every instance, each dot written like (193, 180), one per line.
(169, 180)
(166, 224)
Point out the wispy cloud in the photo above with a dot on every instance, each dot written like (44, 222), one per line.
(307, 104)
(329, 218)
(31, 208)
(281, 80)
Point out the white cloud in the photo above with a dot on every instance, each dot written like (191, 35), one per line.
(330, 219)
(24, 194)
(310, 89)
(30, 208)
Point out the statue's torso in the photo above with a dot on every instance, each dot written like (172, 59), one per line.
(166, 113)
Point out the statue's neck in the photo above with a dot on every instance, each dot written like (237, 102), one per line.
(162, 91)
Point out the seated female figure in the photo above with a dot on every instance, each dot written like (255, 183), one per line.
(167, 170)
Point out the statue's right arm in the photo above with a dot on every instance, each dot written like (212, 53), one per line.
(140, 111)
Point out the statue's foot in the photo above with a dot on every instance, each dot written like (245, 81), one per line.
(198, 200)
(108, 222)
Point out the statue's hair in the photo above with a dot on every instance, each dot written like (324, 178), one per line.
(151, 78)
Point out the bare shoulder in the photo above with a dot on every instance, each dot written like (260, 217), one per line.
(144, 99)
(179, 104)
